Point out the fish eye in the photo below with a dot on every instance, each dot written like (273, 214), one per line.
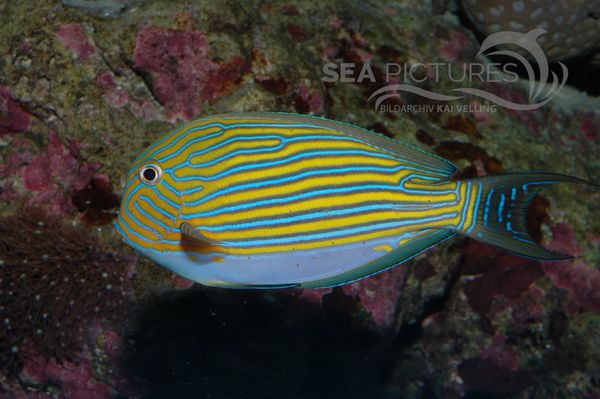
(150, 174)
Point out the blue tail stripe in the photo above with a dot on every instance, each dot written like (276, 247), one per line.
(486, 212)
(501, 207)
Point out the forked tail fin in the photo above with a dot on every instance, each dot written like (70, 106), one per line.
(501, 211)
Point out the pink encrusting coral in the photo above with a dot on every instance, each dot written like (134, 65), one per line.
(183, 75)
(117, 97)
(57, 180)
(55, 174)
(76, 380)
(74, 37)
(181, 283)
(379, 295)
(308, 101)
(106, 80)
(13, 118)
(314, 296)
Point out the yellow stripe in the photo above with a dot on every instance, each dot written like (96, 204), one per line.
(471, 217)
(326, 224)
(312, 183)
(309, 205)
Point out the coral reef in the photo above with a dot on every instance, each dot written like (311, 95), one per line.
(86, 85)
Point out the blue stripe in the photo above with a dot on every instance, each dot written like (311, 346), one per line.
(407, 179)
(125, 235)
(300, 176)
(313, 154)
(466, 207)
(151, 218)
(230, 155)
(513, 194)
(186, 146)
(157, 208)
(127, 200)
(338, 234)
(524, 240)
(423, 177)
(524, 186)
(136, 221)
(170, 188)
(220, 125)
(131, 232)
(293, 239)
(476, 212)
(303, 196)
(165, 199)
(313, 216)
(501, 207)
(510, 229)
(167, 137)
(284, 141)
(487, 207)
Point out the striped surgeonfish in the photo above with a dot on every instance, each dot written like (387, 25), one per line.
(270, 200)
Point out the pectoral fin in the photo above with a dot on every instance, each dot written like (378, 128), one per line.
(188, 231)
